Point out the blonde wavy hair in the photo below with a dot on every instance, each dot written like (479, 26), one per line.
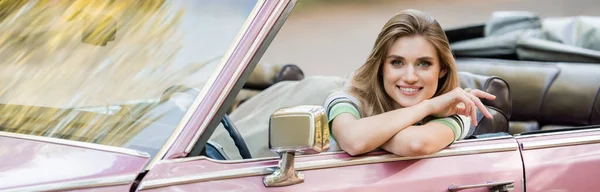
(367, 83)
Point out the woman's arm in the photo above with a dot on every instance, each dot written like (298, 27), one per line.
(358, 136)
(420, 140)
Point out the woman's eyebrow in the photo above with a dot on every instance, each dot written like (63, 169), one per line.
(425, 58)
(395, 57)
(402, 58)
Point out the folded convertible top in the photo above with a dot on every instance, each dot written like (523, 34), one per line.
(525, 36)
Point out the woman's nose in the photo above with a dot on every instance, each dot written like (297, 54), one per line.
(410, 76)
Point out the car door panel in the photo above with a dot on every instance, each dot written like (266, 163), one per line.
(562, 162)
(105, 189)
(465, 163)
(33, 163)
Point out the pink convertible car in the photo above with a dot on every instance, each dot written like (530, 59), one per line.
(147, 108)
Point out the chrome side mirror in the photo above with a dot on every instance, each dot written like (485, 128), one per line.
(302, 129)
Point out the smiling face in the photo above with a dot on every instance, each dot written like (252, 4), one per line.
(411, 71)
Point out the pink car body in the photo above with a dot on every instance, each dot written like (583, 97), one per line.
(560, 161)
(33, 163)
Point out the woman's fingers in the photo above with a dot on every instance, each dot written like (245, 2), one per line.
(461, 110)
(474, 115)
(482, 94)
(465, 108)
(466, 102)
(470, 106)
(475, 94)
(481, 107)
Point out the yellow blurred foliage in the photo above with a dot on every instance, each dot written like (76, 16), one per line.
(58, 55)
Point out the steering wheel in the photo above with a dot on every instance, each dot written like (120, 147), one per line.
(231, 129)
(237, 138)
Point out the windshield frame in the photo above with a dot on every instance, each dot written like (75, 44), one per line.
(203, 123)
(185, 125)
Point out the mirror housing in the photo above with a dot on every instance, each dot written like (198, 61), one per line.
(299, 129)
(303, 129)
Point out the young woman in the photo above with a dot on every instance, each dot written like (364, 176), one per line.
(405, 98)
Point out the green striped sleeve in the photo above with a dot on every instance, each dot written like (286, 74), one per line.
(342, 107)
(453, 124)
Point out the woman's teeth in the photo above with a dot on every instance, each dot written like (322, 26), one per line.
(410, 90)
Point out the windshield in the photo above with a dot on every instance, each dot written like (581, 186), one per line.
(119, 73)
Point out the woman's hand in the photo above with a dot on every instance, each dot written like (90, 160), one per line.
(461, 102)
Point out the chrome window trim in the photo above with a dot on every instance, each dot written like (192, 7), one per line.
(80, 184)
(551, 143)
(95, 146)
(484, 139)
(255, 44)
(188, 159)
(321, 164)
(558, 133)
(197, 158)
(210, 83)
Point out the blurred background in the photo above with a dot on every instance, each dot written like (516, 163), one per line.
(347, 28)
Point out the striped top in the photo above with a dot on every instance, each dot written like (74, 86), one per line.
(341, 102)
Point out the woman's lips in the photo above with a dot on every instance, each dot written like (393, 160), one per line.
(409, 90)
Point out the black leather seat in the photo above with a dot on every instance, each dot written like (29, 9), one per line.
(500, 108)
(545, 95)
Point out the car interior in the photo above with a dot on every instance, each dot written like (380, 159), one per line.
(532, 97)
(534, 94)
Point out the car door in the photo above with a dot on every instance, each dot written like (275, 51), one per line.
(34, 163)
(562, 161)
(474, 164)
(471, 164)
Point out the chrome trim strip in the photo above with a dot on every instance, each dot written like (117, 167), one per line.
(484, 139)
(79, 184)
(198, 158)
(469, 150)
(188, 159)
(321, 164)
(210, 83)
(230, 84)
(245, 172)
(108, 148)
(561, 142)
(558, 133)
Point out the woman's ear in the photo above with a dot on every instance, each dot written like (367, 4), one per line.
(443, 73)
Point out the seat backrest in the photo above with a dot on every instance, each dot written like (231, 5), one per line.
(573, 97)
(546, 93)
(265, 75)
(500, 108)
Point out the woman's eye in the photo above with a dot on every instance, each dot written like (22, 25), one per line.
(424, 64)
(396, 62)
